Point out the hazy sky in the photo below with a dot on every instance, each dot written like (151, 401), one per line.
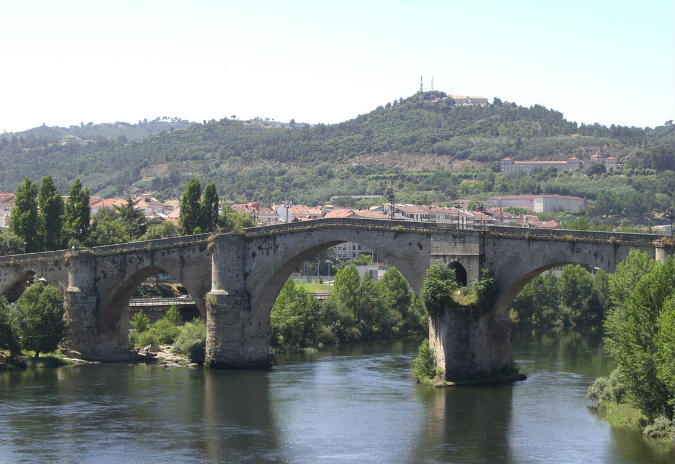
(66, 62)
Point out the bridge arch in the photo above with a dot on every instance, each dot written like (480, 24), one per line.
(516, 270)
(14, 287)
(269, 271)
(113, 315)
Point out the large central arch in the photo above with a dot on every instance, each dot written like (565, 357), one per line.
(271, 261)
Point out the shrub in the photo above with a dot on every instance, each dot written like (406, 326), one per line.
(424, 366)
(192, 333)
(140, 322)
(662, 427)
(164, 331)
(607, 388)
(439, 285)
(197, 353)
(147, 338)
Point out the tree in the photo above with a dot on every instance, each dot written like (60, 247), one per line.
(10, 244)
(132, 217)
(107, 229)
(234, 221)
(77, 212)
(438, 287)
(294, 319)
(24, 219)
(576, 292)
(8, 338)
(632, 329)
(164, 230)
(209, 209)
(39, 318)
(50, 215)
(190, 208)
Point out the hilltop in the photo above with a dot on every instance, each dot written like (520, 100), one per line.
(426, 145)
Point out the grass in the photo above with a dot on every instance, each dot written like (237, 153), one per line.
(314, 287)
(621, 415)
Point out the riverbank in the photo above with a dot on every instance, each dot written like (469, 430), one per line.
(625, 416)
(27, 360)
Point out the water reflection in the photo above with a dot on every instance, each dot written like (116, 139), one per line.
(358, 404)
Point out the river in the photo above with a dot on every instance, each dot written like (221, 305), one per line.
(356, 405)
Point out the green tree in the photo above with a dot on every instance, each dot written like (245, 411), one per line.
(50, 215)
(10, 244)
(173, 316)
(24, 221)
(576, 292)
(107, 229)
(132, 217)
(438, 287)
(632, 326)
(8, 338)
(295, 317)
(140, 322)
(163, 230)
(209, 209)
(234, 221)
(39, 321)
(190, 209)
(77, 212)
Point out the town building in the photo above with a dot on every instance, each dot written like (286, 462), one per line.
(510, 165)
(6, 205)
(538, 203)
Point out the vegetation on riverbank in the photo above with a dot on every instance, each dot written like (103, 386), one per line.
(357, 309)
(187, 340)
(640, 337)
(575, 298)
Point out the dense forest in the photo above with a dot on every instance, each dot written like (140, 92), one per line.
(450, 151)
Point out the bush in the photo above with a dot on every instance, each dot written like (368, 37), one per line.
(192, 333)
(607, 389)
(164, 331)
(197, 353)
(147, 338)
(424, 366)
(439, 285)
(662, 427)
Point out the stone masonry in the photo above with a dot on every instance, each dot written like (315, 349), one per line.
(235, 278)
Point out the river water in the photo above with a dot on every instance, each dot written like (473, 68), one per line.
(356, 405)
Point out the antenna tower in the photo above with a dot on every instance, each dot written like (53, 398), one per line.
(421, 85)
(432, 83)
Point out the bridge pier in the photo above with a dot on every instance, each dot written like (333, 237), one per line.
(231, 339)
(471, 348)
(87, 340)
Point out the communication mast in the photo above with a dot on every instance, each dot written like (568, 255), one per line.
(421, 85)
(432, 83)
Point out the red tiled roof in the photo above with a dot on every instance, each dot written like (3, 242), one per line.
(367, 214)
(340, 213)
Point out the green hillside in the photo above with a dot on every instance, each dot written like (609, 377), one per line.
(428, 148)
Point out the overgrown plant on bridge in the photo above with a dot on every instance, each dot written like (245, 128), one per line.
(441, 292)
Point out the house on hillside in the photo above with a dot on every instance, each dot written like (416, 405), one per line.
(6, 205)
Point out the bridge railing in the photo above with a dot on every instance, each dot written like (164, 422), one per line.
(160, 301)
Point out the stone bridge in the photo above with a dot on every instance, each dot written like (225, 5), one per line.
(235, 279)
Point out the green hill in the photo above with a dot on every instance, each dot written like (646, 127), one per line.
(429, 148)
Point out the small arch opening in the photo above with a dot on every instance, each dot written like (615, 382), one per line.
(460, 273)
